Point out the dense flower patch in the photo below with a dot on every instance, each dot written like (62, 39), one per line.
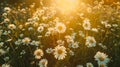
(46, 37)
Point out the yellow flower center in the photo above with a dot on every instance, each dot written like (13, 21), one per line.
(26, 41)
(36, 24)
(38, 53)
(86, 25)
(91, 41)
(89, 65)
(60, 27)
(101, 58)
(43, 63)
(60, 51)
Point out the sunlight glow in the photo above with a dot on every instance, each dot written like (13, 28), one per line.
(66, 6)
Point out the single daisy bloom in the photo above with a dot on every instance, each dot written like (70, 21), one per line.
(36, 43)
(11, 26)
(60, 42)
(18, 42)
(60, 27)
(86, 24)
(47, 34)
(1, 44)
(26, 40)
(20, 27)
(71, 53)
(35, 24)
(102, 58)
(94, 30)
(49, 50)
(2, 52)
(81, 33)
(60, 52)
(43, 63)
(6, 65)
(40, 29)
(51, 30)
(89, 65)
(79, 66)
(90, 41)
(75, 45)
(38, 53)
(6, 20)
(7, 9)
(69, 39)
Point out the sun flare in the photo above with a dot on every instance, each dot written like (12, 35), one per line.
(66, 6)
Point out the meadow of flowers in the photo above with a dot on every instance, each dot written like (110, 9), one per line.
(48, 36)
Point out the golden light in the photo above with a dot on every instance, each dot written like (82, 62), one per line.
(66, 6)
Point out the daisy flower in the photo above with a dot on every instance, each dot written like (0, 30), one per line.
(30, 28)
(7, 9)
(43, 63)
(5, 65)
(1, 44)
(36, 43)
(86, 24)
(18, 42)
(47, 34)
(60, 52)
(89, 65)
(90, 41)
(95, 30)
(69, 39)
(26, 40)
(20, 27)
(75, 45)
(40, 29)
(49, 50)
(38, 53)
(60, 27)
(102, 58)
(11, 26)
(60, 42)
(71, 53)
(6, 20)
(4, 14)
(79, 66)
(35, 24)
(51, 30)
(2, 52)
(81, 33)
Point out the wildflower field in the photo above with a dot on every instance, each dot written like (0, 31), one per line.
(60, 33)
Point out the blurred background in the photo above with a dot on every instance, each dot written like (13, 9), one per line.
(27, 2)
(17, 3)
